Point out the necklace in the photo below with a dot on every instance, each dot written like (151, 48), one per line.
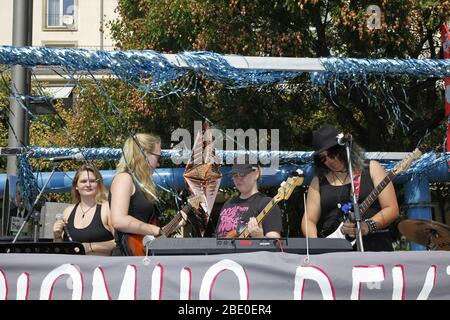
(341, 187)
(84, 212)
(337, 177)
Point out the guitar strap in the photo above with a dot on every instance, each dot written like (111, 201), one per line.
(357, 183)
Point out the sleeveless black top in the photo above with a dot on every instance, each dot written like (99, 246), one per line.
(140, 208)
(94, 232)
(331, 215)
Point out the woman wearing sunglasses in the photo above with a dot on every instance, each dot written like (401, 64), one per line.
(240, 212)
(329, 195)
(133, 193)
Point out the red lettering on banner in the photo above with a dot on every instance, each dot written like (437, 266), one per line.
(398, 279)
(129, 284)
(362, 274)
(372, 275)
(3, 286)
(99, 286)
(73, 271)
(185, 283)
(316, 274)
(23, 286)
(157, 282)
(213, 272)
(430, 280)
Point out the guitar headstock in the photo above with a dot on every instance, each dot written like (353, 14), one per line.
(195, 200)
(406, 162)
(287, 187)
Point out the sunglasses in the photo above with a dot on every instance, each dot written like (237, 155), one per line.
(241, 174)
(158, 156)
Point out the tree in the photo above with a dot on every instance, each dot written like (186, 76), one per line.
(408, 29)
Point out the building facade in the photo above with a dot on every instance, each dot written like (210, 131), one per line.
(64, 23)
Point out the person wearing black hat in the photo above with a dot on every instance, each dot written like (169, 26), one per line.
(240, 212)
(329, 193)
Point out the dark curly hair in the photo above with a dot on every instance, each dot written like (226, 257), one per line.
(356, 156)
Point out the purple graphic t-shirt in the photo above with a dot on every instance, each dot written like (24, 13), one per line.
(237, 210)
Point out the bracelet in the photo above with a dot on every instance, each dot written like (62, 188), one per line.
(90, 246)
(371, 225)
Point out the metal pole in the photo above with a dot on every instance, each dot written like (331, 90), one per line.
(20, 80)
(20, 85)
(101, 24)
(359, 241)
(418, 198)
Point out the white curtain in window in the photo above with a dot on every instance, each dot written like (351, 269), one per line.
(54, 12)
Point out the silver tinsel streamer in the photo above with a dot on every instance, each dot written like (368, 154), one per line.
(357, 69)
(148, 70)
(27, 180)
(157, 71)
(151, 71)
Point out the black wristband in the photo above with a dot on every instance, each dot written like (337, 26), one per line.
(371, 225)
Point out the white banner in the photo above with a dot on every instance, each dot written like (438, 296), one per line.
(397, 275)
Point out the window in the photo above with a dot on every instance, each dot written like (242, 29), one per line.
(60, 13)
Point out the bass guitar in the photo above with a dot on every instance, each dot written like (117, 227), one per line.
(284, 192)
(133, 244)
(365, 205)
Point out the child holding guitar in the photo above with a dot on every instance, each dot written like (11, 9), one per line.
(133, 194)
(329, 191)
(240, 212)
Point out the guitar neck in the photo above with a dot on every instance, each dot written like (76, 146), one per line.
(172, 226)
(363, 207)
(259, 217)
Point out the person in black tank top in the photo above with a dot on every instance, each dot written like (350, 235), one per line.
(133, 193)
(88, 219)
(329, 194)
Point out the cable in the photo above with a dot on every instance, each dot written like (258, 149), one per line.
(307, 259)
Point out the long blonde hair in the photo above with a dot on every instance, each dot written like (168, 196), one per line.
(101, 190)
(133, 161)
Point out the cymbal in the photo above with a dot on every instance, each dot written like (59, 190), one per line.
(427, 233)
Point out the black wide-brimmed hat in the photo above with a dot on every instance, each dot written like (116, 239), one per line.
(324, 138)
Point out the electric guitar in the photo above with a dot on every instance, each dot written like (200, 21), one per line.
(284, 192)
(364, 206)
(133, 242)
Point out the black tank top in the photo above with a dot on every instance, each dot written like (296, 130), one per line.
(140, 208)
(94, 232)
(331, 215)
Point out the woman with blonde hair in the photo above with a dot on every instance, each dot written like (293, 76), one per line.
(88, 220)
(133, 193)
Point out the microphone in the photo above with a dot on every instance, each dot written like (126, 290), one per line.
(60, 216)
(147, 240)
(14, 151)
(342, 139)
(75, 157)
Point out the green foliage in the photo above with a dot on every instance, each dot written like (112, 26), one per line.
(106, 115)
(306, 28)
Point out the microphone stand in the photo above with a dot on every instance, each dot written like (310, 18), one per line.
(36, 214)
(359, 243)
